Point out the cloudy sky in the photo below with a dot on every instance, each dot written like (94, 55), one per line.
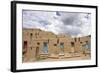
(68, 23)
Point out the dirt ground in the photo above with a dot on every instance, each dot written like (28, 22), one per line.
(66, 59)
(87, 57)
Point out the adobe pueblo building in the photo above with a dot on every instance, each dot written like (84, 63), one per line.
(41, 45)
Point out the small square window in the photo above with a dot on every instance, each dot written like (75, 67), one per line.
(31, 48)
(31, 34)
(38, 43)
(72, 44)
(57, 40)
(75, 39)
(55, 44)
(81, 42)
(25, 44)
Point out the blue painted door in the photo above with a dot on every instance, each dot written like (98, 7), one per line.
(88, 46)
(61, 47)
(45, 48)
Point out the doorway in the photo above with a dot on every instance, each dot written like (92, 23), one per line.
(45, 48)
(37, 51)
(61, 48)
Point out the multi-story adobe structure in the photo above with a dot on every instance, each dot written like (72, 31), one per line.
(43, 44)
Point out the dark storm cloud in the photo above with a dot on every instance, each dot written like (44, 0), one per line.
(71, 19)
(71, 23)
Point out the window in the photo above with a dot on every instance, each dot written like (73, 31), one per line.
(75, 39)
(81, 42)
(72, 44)
(38, 43)
(57, 41)
(31, 35)
(25, 44)
(31, 48)
(48, 40)
(89, 35)
(55, 44)
(24, 52)
(86, 42)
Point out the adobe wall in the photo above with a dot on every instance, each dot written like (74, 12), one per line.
(36, 37)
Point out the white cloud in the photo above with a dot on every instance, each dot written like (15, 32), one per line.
(74, 24)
